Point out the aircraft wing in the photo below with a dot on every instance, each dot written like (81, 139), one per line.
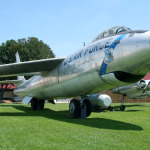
(10, 81)
(29, 67)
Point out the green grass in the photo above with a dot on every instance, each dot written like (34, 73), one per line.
(24, 129)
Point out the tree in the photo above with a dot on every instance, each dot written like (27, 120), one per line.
(29, 49)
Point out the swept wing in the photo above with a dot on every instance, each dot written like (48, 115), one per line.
(29, 67)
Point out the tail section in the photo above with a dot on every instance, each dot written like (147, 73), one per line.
(18, 61)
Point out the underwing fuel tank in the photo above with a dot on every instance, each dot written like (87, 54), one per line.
(99, 100)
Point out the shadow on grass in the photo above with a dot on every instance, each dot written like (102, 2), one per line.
(117, 108)
(63, 116)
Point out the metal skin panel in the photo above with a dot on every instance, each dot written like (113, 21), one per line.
(80, 73)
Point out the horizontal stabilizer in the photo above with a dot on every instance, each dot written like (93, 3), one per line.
(23, 68)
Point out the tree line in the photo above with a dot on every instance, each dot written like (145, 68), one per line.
(29, 49)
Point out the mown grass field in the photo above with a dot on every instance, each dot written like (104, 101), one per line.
(24, 129)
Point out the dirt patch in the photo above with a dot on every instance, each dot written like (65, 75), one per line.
(5, 101)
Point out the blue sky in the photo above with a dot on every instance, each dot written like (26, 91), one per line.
(65, 24)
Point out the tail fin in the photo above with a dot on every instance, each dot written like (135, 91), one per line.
(18, 61)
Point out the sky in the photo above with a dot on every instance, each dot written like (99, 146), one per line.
(65, 24)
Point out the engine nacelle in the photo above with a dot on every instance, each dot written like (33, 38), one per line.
(99, 101)
(120, 78)
(139, 86)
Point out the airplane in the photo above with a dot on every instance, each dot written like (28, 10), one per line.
(137, 90)
(118, 56)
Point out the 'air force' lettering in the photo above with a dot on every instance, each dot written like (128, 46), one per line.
(89, 50)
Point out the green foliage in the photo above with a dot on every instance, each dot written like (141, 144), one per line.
(29, 49)
(53, 129)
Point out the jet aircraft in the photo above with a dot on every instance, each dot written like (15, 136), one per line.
(137, 90)
(118, 56)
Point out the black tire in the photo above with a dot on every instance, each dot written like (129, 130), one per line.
(41, 104)
(111, 108)
(88, 107)
(122, 108)
(74, 108)
(37, 104)
(34, 103)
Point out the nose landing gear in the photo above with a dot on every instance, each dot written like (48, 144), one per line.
(122, 107)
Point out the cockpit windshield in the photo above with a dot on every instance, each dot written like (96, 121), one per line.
(111, 32)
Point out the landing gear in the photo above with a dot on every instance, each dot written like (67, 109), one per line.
(74, 108)
(88, 107)
(37, 104)
(79, 108)
(111, 108)
(122, 107)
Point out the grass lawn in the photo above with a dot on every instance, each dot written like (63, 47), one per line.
(24, 129)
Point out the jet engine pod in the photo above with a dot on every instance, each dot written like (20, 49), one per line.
(99, 101)
(142, 84)
(127, 89)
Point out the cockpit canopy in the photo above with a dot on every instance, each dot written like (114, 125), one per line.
(111, 32)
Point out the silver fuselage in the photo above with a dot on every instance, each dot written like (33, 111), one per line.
(84, 72)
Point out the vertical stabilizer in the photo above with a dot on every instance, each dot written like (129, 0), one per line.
(17, 58)
(18, 61)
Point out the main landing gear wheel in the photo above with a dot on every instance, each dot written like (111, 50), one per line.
(41, 104)
(122, 108)
(78, 110)
(88, 107)
(74, 108)
(111, 108)
(37, 104)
